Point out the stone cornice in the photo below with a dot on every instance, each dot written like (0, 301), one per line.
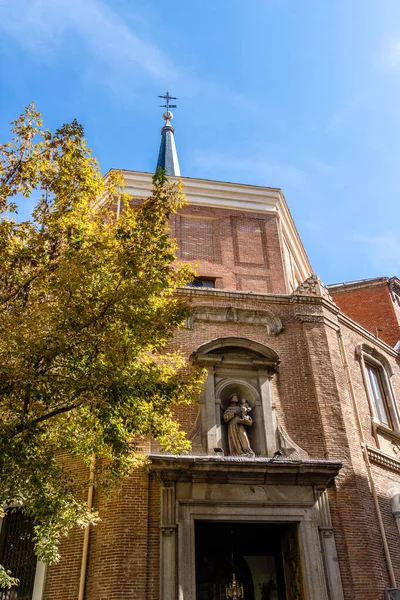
(257, 471)
(337, 288)
(232, 295)
(193, 293)
(383, 460)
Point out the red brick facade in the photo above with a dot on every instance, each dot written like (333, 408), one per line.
(314, 400)
(241, 250)
(372, 304)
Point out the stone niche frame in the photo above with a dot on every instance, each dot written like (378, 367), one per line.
(243, 365)
(245, 490)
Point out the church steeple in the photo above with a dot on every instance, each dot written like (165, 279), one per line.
(167, 157)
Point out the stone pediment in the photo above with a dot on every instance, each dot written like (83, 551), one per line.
(240, 316)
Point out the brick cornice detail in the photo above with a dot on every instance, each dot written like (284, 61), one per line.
(313, 318)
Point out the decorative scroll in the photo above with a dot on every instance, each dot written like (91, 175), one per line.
(288, 447)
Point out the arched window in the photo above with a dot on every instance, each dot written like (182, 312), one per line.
(377, 373)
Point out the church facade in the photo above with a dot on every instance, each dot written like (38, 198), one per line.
(292, 488)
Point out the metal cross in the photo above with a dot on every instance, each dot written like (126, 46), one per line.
(167, 98)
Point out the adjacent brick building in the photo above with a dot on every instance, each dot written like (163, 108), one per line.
(312, 512)
(374, 303)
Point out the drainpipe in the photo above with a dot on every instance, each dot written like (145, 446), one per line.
(366, 459)
(82, 580)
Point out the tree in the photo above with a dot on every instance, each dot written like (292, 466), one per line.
(87, 306)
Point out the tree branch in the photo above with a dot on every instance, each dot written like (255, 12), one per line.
(27, 424)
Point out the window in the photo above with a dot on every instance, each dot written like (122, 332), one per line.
(377, 371)
(378, 396)
(207, 282)
(17, 555)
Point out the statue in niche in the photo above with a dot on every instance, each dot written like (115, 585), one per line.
(238, 418)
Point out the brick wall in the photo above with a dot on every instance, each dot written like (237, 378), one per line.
(373, 308)
(242, 250)
(62, 579)
(314, 405)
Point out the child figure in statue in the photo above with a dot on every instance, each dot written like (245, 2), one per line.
(244, 409)
(237, 417)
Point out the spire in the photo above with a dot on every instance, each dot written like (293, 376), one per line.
(167, 157)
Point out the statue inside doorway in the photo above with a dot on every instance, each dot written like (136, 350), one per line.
(237, 417)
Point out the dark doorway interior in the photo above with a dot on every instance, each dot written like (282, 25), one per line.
(253, 551)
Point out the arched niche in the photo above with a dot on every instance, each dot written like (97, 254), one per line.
(223, 391)
(231, 349)
(245, 367)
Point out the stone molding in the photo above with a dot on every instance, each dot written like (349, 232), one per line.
(367, 350)
(258, 296)
(267, 357)
(383, 460)
(265, 504)
(168, 507)
(239, 316)
(328, 544)
(230, 469)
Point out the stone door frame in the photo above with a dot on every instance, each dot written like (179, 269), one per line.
(308, 536)
(262, 490)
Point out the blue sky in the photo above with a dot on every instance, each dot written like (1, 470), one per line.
(301, 95)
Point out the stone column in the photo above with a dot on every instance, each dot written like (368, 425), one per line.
(168, 543)
(328, 545)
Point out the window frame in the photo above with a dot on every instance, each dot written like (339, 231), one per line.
(370, 357)
(378, 396)
(41, 567)
(201, 279)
